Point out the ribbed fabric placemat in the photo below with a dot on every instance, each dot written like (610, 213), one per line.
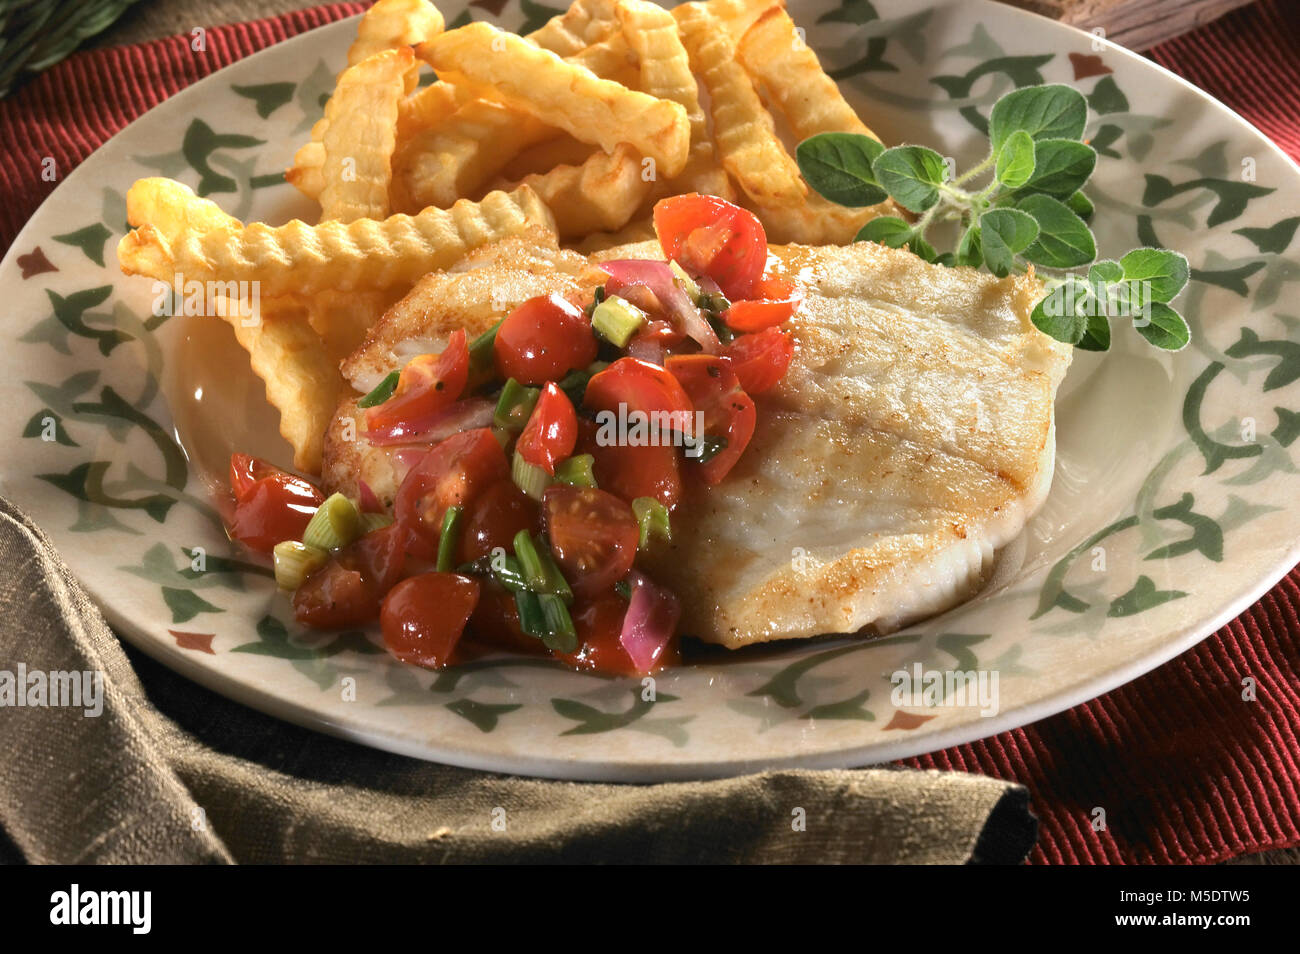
(1183, 770)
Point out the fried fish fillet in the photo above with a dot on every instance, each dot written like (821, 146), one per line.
(911, 438)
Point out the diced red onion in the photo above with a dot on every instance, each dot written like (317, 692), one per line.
(438, 426)
(369, 500)
(659, 278)
(650, 621)
(647, 348)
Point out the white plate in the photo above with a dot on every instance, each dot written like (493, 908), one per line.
(1171, 510)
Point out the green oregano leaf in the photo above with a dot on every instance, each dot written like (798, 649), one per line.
(1064, 240)
(1015, 164)
(912, 175)
(970, 249)
(1163, 272)
(1166, 328)
(1004, 233)
(1044, 112)
(1080, 205)
(838, 166)
(1061, 166)
(1063, 312)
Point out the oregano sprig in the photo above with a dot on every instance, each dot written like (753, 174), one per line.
(1022, 206)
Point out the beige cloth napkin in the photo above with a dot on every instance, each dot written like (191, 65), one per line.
(172, 773)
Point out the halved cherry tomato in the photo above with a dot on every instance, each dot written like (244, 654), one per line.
(599, 623)
(452, 474)
(761, 360)
(728, 411)
(551, 431)
(424, 616)
(775, 301)
(710, 236)
(631, 472)
(593, 536)
(426, 385)
(543, 340)
(347, 590)
(496, 516)
(641, 387)
(245, 471)
(649, 470)
(270, 504)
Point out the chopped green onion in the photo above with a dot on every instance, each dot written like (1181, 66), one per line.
(560, 634)
(515, 406)
(555, 581)
(295, 561)
(617, 320)
(715, 302)
(720, 328)
(507, 572)
(574, 385)
(596, 298)
(687, 283)
(531, 562)
(335, 523)
(624, 589)
(652, 518)
(449, 538)
(529, 478)
(374, 521)
(531, 619)
(382, 392)
(576, 471)
(481, 349)
(503, 436)
(540, 572)
(596, 367)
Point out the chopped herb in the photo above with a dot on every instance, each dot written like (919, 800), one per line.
(448, 540)
(515, 406)
(652, 519)
(576, 471)
(382, 392)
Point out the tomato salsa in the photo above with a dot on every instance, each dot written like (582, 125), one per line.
(552, 453)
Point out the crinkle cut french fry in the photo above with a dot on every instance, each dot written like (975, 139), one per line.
(456, 157)
(506, 68)
(737, 15)
(559, 150)
(640, 230)
(393, 23)
(613, 59)
(362, 133)
(174, 209)
(601, 194)
(742, 127)
(302, 379)
(387, 25)
(664, 70)
(365, 254)
(342, 319)
(774, 53)
(584, 23)
(426, 108)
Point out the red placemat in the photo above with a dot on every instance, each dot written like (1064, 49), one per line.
(1183, 769)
